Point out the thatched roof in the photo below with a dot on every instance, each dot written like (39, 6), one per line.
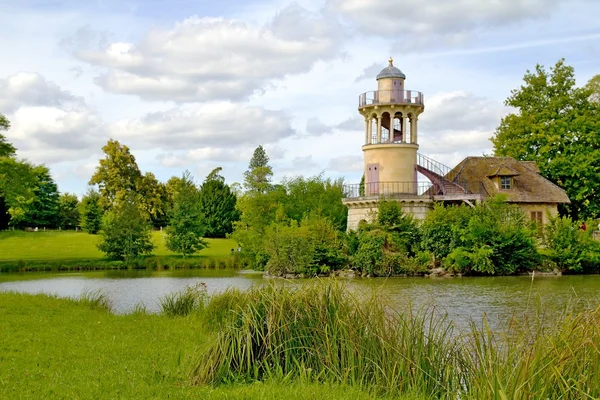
(528, 185)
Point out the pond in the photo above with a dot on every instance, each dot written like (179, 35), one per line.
(462, 299)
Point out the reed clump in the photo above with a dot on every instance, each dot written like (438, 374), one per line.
(180, 304)
(95, 299)
(322, 332)
(534, 360)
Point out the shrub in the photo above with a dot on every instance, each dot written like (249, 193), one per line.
(569, 247)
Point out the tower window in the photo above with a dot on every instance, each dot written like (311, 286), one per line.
(505, 183)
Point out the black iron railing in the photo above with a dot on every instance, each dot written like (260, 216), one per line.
(386, 189)
(390, 97)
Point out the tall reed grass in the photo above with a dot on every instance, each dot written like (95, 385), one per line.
(95, 299)
(182, 303)
(322, 332)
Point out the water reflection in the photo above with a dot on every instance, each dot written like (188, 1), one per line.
(462, 299)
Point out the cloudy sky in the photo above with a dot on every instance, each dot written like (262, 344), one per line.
(196, 84)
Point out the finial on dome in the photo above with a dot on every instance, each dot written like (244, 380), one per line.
(391, 60)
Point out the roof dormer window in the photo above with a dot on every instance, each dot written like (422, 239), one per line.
(505, 182)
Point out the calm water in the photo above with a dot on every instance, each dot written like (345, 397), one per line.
(462, 299)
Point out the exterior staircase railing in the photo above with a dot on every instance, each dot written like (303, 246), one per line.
(442, 172)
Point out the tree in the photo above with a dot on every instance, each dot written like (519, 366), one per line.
(43, 210)
(6, 149)
(117, 175)
(186, 223)
(154, 199)
(258, 176)
(91, 212)
(593, 86)
(218, 205)
(126, 231)
(17, 187)
(557, 125)
(68, 211)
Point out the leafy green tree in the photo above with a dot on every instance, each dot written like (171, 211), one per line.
(361, 186)
(154, 199)
(218, 205)
(258, 176)
(6, 148)
(43, 210)
(118, 174)
(186, 224)
(316, 194)
(17, 187)
(593, 86)
(126, 231)
(91, 213)
(68, 211)
(556, 125)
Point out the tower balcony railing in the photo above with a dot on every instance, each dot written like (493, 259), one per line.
(390, 97)
(386, 189)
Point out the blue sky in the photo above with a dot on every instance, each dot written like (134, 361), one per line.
(199, 84)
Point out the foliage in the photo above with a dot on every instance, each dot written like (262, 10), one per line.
(68, 211)
(258, 176)
(180, 304)
(17, 187)
(186, 220)
(6, 148)
(154, 199)
(361, 186)
(218, 204)
(90, 211)
(125, 231)
(569, 247)
(557, 126)
(117, 176)
(156, 367)
(315, 194)
(492, 238)
(323, 333)
(311, 247)
(42, 211)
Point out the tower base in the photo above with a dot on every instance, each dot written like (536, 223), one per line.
(365, 208)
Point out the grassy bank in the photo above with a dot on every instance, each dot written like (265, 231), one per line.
(69, 250)
(56, 348)
(312, 341)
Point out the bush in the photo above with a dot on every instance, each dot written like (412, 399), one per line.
(569, 247)
(126, 233)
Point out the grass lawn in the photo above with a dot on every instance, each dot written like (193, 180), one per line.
(62, 349)
(70, 245)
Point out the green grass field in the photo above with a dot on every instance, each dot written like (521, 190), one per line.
(69, 245)
(61, 349)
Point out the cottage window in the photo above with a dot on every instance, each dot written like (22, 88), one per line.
(505, 182)
(536, 216)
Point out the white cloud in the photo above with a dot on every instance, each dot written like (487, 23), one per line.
(215, 125)
(346, 164)
(437, 22)
(460, 110)
(201, 58)
(49, 135)
(32, 89)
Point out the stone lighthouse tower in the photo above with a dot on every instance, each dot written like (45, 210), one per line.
(391, 136)
(390, 148)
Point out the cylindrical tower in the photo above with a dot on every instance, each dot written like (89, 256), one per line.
(391, 134)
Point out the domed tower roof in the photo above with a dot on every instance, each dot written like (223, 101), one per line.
(391, 72)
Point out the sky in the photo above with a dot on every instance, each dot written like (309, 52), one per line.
(195, 84)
